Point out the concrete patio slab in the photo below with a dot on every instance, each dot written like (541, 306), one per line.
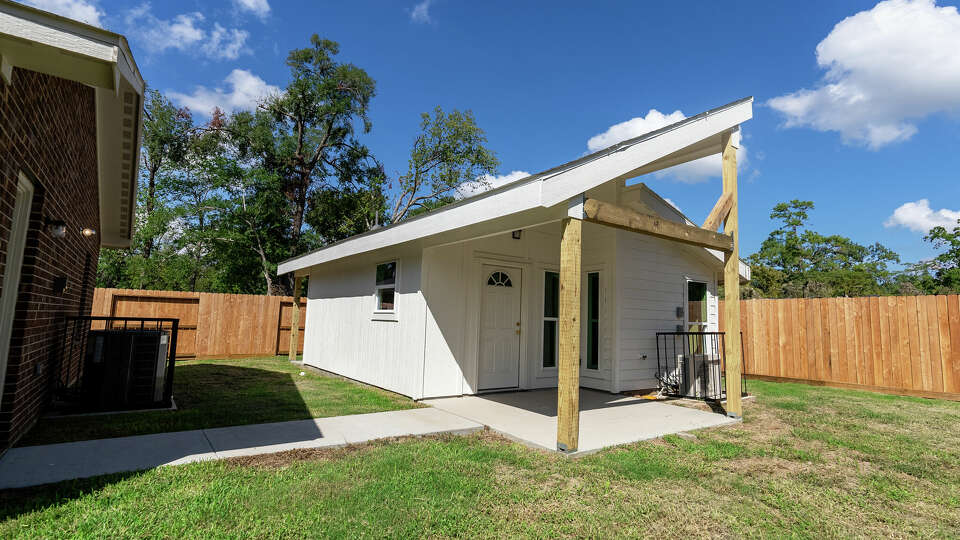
(605, 419)
(35, 465)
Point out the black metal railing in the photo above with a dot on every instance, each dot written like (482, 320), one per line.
(72, 389)
(691, 365)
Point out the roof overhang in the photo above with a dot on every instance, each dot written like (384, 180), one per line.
(38, 41)
(689, 139)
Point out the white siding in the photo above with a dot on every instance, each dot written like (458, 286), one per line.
(342, 335)
(653, 274)
(452, 285)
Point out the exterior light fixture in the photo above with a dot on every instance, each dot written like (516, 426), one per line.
(88, 231)
(55, 227)
(516, 234)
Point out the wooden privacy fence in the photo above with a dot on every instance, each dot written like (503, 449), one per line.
(902, 344)
(211, 325)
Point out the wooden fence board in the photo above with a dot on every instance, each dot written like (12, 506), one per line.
(953, 315)
(908, 345)
(211, 325)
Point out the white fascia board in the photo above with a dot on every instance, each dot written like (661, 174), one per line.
(29, 29)
(623, 162)
(32, 28)
(521, 196)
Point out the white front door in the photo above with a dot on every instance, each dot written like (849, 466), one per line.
(500, 328)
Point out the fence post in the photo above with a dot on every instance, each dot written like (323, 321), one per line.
(295, 320)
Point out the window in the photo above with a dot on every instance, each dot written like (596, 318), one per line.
(696, 306)
(696, 314)
(593, 320)
(386, 286)
(551, 317)
(499, 279)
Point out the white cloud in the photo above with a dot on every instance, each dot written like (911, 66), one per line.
(919, 217)
(421, 12)
(469, 189)
(692, 172)
(184, 32)
(223, 43)
(246, 90)
(260, 8)
(885, 68)
(80, 10)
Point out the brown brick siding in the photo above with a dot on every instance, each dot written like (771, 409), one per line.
(47, 130)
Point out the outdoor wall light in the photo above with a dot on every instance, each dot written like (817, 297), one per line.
(516, 234)
(88, 231)
(55, 227)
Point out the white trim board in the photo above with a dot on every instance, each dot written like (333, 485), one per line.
(19, 224)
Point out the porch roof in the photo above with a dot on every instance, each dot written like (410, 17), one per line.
(545, 193)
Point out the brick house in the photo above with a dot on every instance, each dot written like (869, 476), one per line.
(70, 122)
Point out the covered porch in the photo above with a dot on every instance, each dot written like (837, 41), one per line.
(530, 417)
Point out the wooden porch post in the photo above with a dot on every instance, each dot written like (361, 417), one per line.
(568, 365)
(295, 320)
(731, 280)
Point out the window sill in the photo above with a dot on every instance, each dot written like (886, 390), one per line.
(387, 316)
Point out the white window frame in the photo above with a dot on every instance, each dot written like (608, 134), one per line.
(543, 318)
(686, 303)
(386, 314)
(16, 245)
(585, 317)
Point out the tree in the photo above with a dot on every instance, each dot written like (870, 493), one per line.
(940, 275)
(449, 151)
(796, 262)
(166, 134)
(303, 139)
(166, 130)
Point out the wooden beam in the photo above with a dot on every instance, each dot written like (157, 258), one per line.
(568, 364)
(295, 320)
(623, 218)
(731, 281)
(719, 214)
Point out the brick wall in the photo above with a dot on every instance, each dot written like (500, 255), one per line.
(47, 130)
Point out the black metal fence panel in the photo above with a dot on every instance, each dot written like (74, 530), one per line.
(690, 365)
(115, 363)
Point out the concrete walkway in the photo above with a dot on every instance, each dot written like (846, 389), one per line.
(530, 417)
(35, 465)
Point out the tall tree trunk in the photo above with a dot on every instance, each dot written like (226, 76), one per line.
(151, 193)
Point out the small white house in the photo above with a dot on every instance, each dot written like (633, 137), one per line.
(466, 299)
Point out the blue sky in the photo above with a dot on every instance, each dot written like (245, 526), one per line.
(855, 102)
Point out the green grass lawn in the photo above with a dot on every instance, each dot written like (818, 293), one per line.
(807, 462)
(217, 393)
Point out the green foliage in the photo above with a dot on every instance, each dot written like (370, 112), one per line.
(449, 151)
(222, 204)
(796, 262)
(940, 275)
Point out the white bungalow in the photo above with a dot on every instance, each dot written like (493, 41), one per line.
(485, 294)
